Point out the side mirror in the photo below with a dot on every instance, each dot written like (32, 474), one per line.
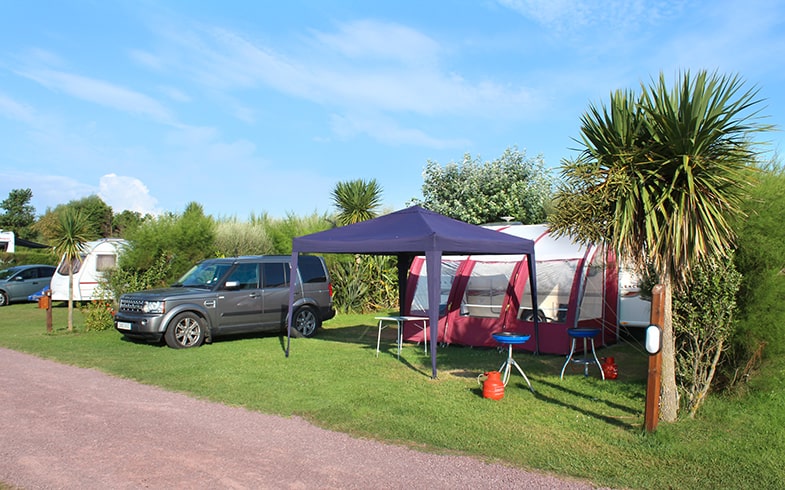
(232, 285)
(653, 339)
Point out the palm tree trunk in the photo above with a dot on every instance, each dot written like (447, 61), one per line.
(70, 300)
(669, 398)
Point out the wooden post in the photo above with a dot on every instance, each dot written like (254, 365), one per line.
(654, 382)
(48, 295)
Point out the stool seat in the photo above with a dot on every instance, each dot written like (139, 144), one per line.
(509, 339)
(583, 333)
(587, 334)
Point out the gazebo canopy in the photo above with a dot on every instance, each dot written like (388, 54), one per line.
(407, 233)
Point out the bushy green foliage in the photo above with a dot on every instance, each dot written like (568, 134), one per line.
(281, 231)
(364, 283)
(703, 322)
(761, 260)
(477, 193)
(125, 279)
(38, 256)
(183, 239)
(234, 238)
(98, 315)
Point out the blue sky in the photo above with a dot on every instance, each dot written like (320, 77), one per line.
(257, 106)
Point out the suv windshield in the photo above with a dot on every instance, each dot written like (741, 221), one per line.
(204, 275)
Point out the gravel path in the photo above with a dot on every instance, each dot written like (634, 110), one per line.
(68, 427)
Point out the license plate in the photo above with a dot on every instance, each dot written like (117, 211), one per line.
(123, 325)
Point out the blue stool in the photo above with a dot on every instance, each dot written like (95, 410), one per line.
(587, 334)
(509, 339)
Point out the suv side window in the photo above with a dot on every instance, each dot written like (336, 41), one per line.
(311, 269)
(276, 275)
(245, 274)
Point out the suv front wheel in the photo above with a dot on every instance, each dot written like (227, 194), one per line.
(185, 331)
(306, 321)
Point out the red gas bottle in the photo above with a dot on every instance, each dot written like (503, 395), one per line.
(609, 368)
(492, 387)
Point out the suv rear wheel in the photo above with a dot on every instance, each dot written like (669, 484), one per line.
(185, 331)
(306, 321)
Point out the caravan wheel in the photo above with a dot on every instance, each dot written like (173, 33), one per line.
(185, 331)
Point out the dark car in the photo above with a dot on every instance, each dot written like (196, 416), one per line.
(19, 282)
(229, 296)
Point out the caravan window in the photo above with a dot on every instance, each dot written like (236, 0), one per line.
(73, 266)
(105, 262)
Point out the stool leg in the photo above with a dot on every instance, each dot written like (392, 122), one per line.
(425, 336)
(399, 332)
(506, 366)
(602, 373)
(569, 357)
(378, 338)
(520, 370)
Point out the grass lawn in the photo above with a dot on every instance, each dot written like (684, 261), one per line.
(580, 427)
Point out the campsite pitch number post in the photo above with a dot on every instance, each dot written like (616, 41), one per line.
(654, 348)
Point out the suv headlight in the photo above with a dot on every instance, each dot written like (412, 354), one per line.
(154, 306)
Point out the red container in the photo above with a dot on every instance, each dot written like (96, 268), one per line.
(493, 387)
(609, 368)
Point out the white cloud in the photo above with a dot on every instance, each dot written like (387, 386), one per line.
(126, 193)
(366, 64)
(388, 131)
(102, 93)
(375, 41)
(16, 110)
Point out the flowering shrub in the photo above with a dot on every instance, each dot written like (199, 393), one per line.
(99, 315)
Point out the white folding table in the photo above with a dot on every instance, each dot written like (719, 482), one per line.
(398, 321)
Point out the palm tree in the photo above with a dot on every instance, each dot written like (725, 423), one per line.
(73, 232)
(659, 178)
(356, 200)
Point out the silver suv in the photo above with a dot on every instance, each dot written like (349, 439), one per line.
(229, 296)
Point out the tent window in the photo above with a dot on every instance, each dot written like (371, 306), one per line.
(592, 301)
(554, 283)
(486, 289)
(420, 301)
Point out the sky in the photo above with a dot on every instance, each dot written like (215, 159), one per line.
(260, 107)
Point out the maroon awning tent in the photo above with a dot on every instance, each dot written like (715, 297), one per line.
(407, 233)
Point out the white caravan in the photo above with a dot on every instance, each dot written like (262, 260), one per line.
(7, 241)
(634, 311)
(96, 257)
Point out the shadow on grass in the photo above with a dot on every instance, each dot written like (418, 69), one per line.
(611, 420)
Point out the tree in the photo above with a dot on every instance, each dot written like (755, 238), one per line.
(703, 315)
(356, 200)
(19, 213)
(760, 257)
(74, 231)
(97, 214)
(366, 282)
(183, 240)
(127, 220)
(477, 193)
(659, 179)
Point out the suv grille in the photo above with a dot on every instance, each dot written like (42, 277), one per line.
(131, 304)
